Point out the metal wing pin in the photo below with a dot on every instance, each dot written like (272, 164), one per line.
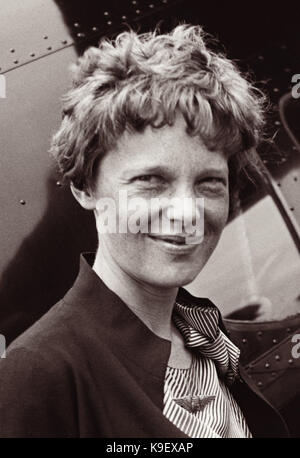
(194, 404)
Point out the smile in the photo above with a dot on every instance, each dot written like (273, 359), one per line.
(174, 244)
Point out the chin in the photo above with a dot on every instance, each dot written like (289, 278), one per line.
(174, 279)
(188, 278)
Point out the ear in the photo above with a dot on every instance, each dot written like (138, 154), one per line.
(85, 198)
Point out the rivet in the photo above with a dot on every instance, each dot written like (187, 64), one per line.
(22, 202)
(49, 48)
(277, 357)
(32, 54)
(109, 23)
(276, 89)
(76, 24)
(292, 209)
(259, 333)
(45, 37)
(58, 183)
(267, 365)
(244, 341)
(95, 29)
(151, 5)
(137, 11)
(261, 57)
(64, 42)
(12, 50)
(165, 1)
(106, 13)
(290, 361)
(279, 184)
(295, 148)
(134, 2)
(124, 17)
(16, 61)
(80, 35)
(274, 341)
(277, 123)
(288, 329)
(295, 178)
(259, 383)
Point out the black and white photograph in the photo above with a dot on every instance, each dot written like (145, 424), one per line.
(150, 222)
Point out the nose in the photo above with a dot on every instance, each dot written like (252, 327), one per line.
(185, 212)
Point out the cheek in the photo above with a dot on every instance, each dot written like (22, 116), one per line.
(216, 215)
(125, 249)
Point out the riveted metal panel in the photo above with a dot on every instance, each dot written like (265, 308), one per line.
(29, 114)
(31, 29)
(40, 223)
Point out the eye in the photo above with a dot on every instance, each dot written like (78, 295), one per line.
(216, 180)
(212, 184)
(152, 179)
(144, 177)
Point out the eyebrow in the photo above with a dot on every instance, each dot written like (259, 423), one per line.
(153, 170)
(158, 170)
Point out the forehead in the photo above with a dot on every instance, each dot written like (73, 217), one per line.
(170, 147)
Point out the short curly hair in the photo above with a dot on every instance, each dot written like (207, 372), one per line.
(139, 80)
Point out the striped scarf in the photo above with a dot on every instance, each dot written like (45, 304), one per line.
(199, 326)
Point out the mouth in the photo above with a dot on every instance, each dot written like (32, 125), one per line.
(174, 239)
(175, 243)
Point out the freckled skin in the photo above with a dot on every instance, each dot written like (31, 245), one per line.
(186, 169)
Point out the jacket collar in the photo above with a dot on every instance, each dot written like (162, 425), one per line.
(115, 322)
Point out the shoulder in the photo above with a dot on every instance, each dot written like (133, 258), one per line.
(59, 345)
(53, 346)
(37, 389)
(39, 354)
(49, 334)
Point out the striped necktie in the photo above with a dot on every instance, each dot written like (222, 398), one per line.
(199, 326)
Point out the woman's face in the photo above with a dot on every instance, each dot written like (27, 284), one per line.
(163, 163)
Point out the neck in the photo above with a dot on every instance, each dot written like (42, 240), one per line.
(153, 305)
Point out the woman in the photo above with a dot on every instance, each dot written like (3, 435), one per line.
(128, 352)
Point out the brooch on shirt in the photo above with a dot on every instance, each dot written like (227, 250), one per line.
(194, 404)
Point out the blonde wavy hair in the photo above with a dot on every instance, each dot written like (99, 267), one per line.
(139, 80)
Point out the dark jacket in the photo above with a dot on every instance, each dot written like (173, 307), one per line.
(91, 368)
